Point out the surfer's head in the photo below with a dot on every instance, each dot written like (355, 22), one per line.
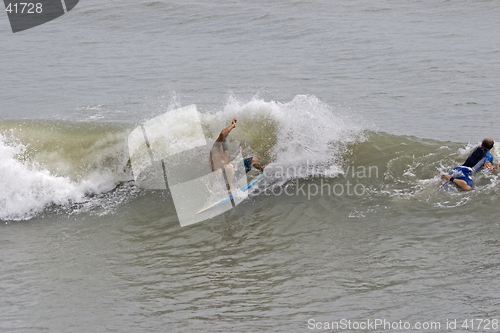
(488, 143)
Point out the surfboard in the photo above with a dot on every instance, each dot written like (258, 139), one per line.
(229, 198)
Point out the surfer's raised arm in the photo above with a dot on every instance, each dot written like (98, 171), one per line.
(225, 131)
(219, 157)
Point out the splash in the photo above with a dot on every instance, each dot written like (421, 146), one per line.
(303, 133)
(29, 186)
(26, 189)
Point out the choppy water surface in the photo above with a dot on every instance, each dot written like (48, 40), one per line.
(364, 104)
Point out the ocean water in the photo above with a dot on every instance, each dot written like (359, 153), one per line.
(358, 106)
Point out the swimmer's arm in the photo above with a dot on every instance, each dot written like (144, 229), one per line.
(490, 166)
(226, 131)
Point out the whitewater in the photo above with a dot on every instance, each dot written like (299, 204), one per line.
(359, 107)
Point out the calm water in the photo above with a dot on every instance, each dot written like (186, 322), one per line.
(403, 89)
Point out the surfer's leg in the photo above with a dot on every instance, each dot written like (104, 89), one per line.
(253, 162)
(229, 171)
(462, 184)
(446, 177)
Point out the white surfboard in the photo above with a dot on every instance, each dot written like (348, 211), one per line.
(229, 198)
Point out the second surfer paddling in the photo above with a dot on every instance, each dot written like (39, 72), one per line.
(480, 157)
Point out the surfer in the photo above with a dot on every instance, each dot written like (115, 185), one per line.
(480, 157)
(219, 157)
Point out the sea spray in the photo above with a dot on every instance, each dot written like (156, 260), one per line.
(304, 133)
(42, 166)
(26, 189)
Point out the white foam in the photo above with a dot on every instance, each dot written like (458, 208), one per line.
(26, 188)
(304, 131)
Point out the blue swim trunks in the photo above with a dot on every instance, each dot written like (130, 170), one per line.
(248, 164)
(463, 173)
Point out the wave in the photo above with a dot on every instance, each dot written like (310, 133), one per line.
(53, 166)
(303, 133)
(57, 163)
(410, 169)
